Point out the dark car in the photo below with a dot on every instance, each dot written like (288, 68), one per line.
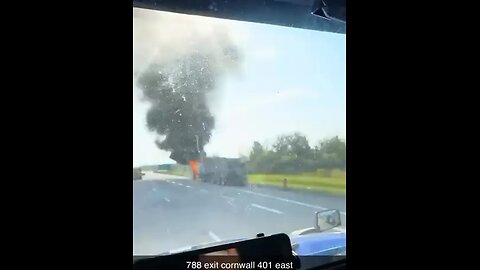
(137, 174)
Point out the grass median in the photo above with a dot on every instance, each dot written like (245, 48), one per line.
(180, 170)
(325, 181)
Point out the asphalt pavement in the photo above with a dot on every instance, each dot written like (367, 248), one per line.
(172, 212)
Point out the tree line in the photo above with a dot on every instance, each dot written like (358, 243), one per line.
(292, 153)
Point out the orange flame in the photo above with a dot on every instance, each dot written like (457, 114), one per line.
(194, 166)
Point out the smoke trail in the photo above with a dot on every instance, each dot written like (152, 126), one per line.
(182, 60)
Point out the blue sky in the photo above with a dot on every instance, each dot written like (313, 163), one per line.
(289, 80)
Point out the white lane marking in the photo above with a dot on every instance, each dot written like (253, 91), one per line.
(286, 200)
(214, 236)
(266, 208)
(229, 199)
(174, 182)
(166, 199)
(180, 184)
(187, 186)
(290, 201)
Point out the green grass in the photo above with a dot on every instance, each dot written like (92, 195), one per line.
(180, 170)
(326, 181)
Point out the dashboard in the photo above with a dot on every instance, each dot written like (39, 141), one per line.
(262, 252)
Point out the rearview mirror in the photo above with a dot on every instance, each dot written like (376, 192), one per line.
(327, 219)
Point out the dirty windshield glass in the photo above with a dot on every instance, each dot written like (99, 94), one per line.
(239, 129)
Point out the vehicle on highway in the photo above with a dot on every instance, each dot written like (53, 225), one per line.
(137, 174)
(223, 171)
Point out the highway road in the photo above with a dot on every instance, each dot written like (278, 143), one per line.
(171, 212)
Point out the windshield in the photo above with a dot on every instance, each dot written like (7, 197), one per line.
(239, 129)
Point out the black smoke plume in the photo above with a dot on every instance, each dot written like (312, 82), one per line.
(178, 90)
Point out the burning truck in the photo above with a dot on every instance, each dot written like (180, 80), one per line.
(219, 170)
(223, 171)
